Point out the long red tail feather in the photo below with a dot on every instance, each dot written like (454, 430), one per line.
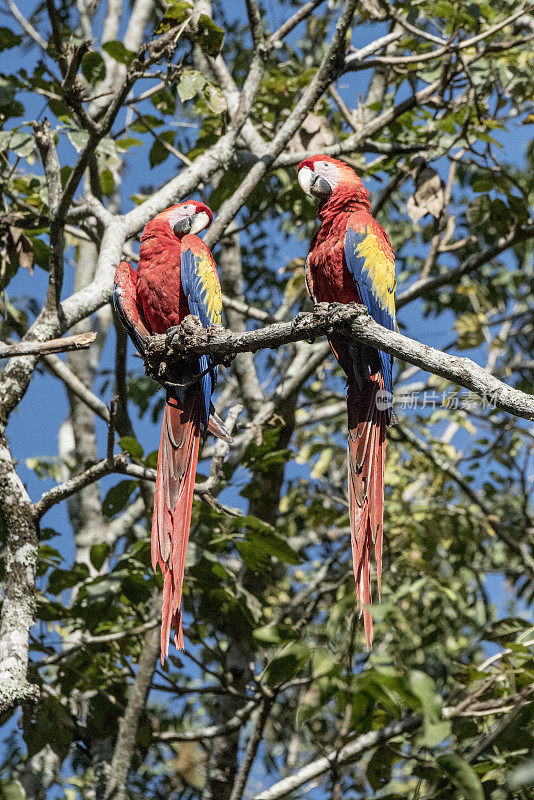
(366, 461)
(173, 501)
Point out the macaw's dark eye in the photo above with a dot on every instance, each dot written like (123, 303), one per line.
(182, 226)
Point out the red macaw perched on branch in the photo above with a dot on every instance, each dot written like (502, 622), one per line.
(176, 276)
(351, 260)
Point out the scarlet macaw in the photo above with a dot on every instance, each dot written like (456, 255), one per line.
(176, 276)
(351, 260)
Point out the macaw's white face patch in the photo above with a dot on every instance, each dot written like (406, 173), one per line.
(305, 178)
(319, 181)
(328, 171)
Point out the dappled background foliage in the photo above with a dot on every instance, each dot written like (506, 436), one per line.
(437, 120)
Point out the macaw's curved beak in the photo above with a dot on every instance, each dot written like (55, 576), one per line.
(192, 224)
(313, 184)
(183, 226)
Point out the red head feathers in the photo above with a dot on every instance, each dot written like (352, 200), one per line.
(326, 177)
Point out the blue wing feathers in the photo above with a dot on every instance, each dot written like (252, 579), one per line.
(198, 299)
(361, 272)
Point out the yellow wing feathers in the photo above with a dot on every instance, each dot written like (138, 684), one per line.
(210, 287)
(381, 270)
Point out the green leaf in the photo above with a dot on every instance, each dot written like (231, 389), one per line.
(8, 39)
(130, 445)
(118, 51)
(305, 711)
(41, 253)
(11, 790)
(151, 461)
(209, 36)
(483, 185)
(22, 144)
(107, 182)
(78, 138)
(98, 554)
(190, 84)
(424, 689)
(275, 634)
(288, 663)
(61, 579)
(125, 144)
(322, 663)
(379, 768)
(434, 733)
(164, 101)
(144, 124)
(52, 725)
(117, 497)
(158, 151)
(462, 775)
(506, 630)
(176, 13)
(258, 548)
(93, 68)
(9, 106)
(50, 611)
(5, 139)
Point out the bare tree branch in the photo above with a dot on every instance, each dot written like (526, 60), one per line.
(240, 782)
(25, 25)
(211, 731)
(356, 140)
(330, 67)
(354, 63)
(118, 464)
(80, 341)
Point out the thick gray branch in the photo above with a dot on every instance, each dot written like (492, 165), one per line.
(352, 320)
(19, 529)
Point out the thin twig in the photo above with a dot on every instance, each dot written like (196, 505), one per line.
(111, 429)
(252, 748)
(293, 21)
(76, 386)
(345, 755)
(211, 731)
(25, 25)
